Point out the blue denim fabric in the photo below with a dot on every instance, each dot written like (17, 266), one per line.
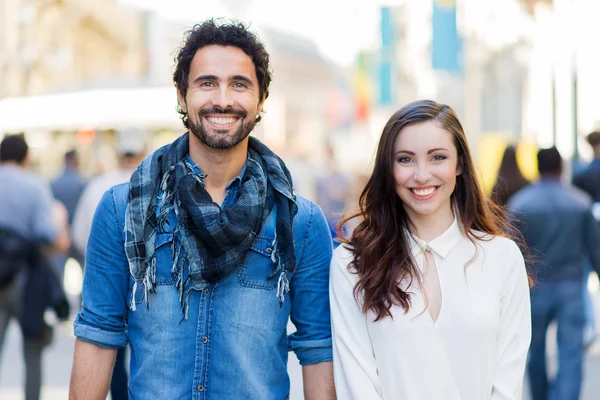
(234, 343)
(561, 302)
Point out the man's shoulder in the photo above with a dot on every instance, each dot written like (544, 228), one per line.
(23, 178)
(307, 209)
(119, 194)
(523, 196)
(579, 196)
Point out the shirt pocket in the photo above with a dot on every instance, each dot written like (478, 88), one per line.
(163, 251)
(258, 266)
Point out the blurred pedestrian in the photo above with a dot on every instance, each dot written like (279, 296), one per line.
(429, 299)
(131, 149)
(67, 188)
(334, 189)
(200, 260)
(588, 180)
(26, 222)
(510, 178)
(557, 224)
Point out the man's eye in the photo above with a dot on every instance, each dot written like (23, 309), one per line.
(239, 85)
(207, 84)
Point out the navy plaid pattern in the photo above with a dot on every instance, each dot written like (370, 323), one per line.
(214, 241)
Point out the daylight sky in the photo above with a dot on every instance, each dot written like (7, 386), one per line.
(339, 27)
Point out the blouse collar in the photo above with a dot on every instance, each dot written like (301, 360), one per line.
(442, 245)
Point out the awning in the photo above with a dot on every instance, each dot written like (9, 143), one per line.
(148, 107)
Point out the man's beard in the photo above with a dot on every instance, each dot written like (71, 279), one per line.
(220, 140)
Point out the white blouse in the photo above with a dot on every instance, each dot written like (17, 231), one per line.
(475, 350)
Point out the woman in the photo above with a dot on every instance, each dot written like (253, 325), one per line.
(428, 300)
(510, 178)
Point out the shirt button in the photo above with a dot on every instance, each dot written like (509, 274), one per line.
(201, 388)
(269, 250)
(204, 339)
(207, 292)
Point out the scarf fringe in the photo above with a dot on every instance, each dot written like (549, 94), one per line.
(283, 287)
(148, 282)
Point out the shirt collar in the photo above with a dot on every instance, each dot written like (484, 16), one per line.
(235, 182)
(441, 245)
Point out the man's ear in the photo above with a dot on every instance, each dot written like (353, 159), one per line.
(181, 101)
(259, 108)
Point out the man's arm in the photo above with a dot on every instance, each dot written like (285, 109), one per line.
(92, 371)
(101, 325)
(591, 235)
(309, 293)
(318, 381)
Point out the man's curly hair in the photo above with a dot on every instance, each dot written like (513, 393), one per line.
(229, 33)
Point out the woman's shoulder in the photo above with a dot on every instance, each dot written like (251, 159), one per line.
(343, 254)
(500, 245)
(341, 260)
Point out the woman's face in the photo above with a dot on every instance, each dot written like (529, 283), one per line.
(425, 171)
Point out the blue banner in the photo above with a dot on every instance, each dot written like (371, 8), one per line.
(446, 44)
(387, 58)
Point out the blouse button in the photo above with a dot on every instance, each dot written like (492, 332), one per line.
(204, 339)
(201, 388)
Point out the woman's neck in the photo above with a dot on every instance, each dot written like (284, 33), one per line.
(428, 227)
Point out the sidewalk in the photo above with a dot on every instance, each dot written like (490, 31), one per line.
(59, 357)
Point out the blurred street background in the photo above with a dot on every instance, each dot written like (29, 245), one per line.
(75, 72)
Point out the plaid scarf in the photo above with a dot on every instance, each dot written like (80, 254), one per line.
(215, 242)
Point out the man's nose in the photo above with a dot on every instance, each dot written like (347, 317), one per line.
(223, 98)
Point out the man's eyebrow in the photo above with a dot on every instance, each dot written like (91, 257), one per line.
(242, 78)
(215, 78)
(428, 151)
(205, 78)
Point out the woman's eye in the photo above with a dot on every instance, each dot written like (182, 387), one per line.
(404, 160)
(439, 158)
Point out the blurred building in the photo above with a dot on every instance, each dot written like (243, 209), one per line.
(52, 53)
(296, 110)
(54, 45)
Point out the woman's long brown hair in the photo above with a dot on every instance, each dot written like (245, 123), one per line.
(380, 248)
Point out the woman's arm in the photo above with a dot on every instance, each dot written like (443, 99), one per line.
(354, 366)
(514, 336)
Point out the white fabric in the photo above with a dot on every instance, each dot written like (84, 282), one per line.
(91, 196)
(477, 348)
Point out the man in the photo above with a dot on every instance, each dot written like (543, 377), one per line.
(68, 186)
(560, 232)
(67, 189)
(26, 209)
(131, 149)
(201, 259)
(588, 180)
(334, 190)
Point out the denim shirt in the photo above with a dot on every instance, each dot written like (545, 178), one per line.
(234, 342)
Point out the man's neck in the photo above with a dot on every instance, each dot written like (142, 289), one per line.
(13, 164)
(220, 166)
(550, 177)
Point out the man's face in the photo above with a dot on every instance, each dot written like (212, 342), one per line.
(222, 100)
